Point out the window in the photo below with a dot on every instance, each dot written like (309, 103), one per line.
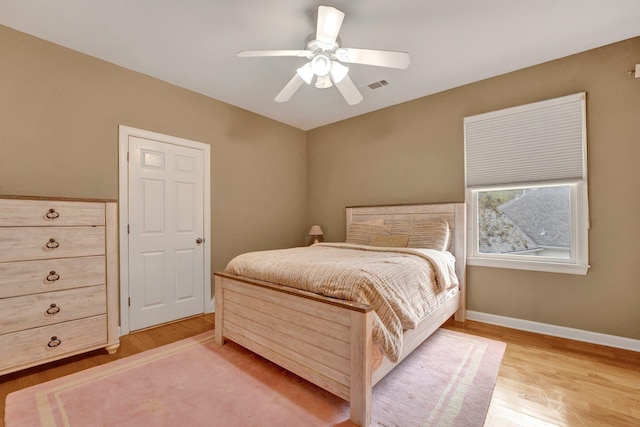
(527, 187)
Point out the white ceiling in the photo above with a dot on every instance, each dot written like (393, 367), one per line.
(193, 43)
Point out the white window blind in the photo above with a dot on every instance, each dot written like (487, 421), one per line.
(540, 142)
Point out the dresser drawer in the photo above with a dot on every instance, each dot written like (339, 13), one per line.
(36, 310)
(49, 342)
(32, 277)
(21, 213)
(31, 243)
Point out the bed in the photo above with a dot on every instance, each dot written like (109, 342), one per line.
(329, 341)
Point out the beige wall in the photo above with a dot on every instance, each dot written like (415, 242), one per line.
(414, 152)
(59, 117)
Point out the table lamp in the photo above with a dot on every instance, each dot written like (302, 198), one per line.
(315, 232)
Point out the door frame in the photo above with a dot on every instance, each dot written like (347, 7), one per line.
(123, 206)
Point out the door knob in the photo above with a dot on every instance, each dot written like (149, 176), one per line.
(199, 240)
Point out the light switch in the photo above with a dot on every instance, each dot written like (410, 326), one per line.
(637, 71)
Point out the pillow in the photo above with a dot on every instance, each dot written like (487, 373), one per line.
(360, 233)
(433, 234)
(391, 241)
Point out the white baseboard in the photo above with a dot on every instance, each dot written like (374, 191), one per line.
(556, 331)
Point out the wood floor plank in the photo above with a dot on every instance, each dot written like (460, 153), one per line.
(543, 381)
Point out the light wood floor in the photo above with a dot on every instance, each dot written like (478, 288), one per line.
(548, 381)
(543, 381)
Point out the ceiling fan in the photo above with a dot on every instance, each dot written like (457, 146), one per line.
(326, 58)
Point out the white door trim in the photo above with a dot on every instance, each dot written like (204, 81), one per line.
(123, 197)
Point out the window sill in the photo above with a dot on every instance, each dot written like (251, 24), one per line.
(550, 267)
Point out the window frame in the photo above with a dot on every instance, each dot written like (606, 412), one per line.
(533, 145)
(577, 263)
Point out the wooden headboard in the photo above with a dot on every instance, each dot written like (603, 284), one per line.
(454, 213)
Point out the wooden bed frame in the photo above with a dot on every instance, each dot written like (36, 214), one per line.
(324, 340)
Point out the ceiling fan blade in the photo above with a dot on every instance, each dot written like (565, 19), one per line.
(380, 58)
(253, 53)
(349, 91)
(290, 88)
(329, 23)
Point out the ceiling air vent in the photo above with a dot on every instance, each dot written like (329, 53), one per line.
(379, 84)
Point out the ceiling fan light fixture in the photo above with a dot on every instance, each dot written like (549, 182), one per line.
(306, 73)
(321, 65)
(338, 71)
(323, 82)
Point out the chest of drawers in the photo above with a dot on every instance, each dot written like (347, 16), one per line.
(58, 279)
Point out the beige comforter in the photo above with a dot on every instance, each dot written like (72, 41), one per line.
(401, 284)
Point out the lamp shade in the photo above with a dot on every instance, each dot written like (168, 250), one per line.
(316, 231)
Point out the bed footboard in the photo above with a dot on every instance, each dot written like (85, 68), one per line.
(326, 341)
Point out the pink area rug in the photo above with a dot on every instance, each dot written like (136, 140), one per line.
(447, 381)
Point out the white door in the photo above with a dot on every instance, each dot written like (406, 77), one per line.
(166, 229)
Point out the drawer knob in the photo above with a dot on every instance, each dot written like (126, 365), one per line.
(54, 342)
(53, 309)
(52, 244)
(53, 276)
(52, 214)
